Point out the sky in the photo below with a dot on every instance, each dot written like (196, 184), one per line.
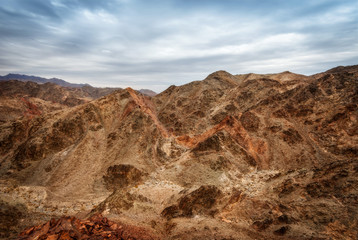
(157, 43)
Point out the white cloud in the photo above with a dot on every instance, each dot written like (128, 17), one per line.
(118, 43)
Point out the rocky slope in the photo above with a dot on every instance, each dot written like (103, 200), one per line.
(26, 98)
(19, 99)
(230, 157)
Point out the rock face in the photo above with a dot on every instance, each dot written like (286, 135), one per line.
(230, 157)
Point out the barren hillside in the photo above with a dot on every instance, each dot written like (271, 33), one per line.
(250, 156)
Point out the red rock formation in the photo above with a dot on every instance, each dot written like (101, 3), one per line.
(32, 109)
(96, 227)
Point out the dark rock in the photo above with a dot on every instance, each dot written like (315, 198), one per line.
(291, 136)
(281, 231)
(200, 201)
(262, 225)
(121, 176)
(212, 143)
(10, 217)
(284, 219)
(250, 121)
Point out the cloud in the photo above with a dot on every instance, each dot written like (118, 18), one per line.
(153, 44)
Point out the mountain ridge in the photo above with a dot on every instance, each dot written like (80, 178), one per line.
(41, 80)
(87, 87)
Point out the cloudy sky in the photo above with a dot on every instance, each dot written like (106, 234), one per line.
(157, 43)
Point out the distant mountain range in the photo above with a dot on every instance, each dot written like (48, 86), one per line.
(36, 79)
(63, 83)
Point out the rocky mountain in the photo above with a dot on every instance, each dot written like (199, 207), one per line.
(148, 92)
(19, 99)
(252, 156)
(40, 80)
(93, 92)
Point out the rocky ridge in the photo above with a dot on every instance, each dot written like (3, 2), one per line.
(230, 157)
(19, 99)
(26, 98)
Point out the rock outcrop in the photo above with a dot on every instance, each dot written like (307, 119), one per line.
(96, 227)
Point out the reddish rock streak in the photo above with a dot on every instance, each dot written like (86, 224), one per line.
(32, 109)
(147, 107)
(256, 148)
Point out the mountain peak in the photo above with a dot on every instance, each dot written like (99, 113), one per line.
(222, 76)
(219, 74)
